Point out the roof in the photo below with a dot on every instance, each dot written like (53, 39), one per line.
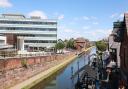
(13, 15)
(80, 40)
(22, 17)
(8, 50)
(90, 71)
(5, 46)
(111, 64)
(126, 19)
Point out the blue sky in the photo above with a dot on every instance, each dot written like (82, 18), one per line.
(91, 19)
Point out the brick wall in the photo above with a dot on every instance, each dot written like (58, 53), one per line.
(1, 64)
(12, 63)
(124, 53)
(14, 72)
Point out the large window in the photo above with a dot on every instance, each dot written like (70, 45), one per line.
(24, 28)
(27, 22)
(40, 41)
(38, 35)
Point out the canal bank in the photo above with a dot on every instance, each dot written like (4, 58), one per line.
(27, 84)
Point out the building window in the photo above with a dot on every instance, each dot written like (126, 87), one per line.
(38, 35)
(23, 28)
(40, 41)
(27, 22)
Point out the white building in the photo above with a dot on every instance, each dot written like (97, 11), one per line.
(28, 33)
(2, 40)
(115, 48)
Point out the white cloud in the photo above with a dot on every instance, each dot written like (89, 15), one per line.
(95, 23)
(121, 15)
(117, 16)
(76, 18)
(72, 23)
(60, 17)
(68, 30)
(98, 34)
(67, 33)
(93, 17)
(56, 13)
(86, 18)
(89, 18)
(114, 15)
(38, 13)
(5, 3)
(86, 27)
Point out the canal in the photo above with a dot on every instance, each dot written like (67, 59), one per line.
(63, 78)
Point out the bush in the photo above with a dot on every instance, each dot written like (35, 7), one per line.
(101, 46)
(24, 63)
(70, 44)
(60, 45)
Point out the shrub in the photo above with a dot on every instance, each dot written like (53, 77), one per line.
(101, 46)
(24, 63)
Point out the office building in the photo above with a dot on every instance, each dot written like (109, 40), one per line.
(28, 34)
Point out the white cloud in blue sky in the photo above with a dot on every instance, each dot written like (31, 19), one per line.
(118, 16)
(5, 3)
(60, 17)
(38, 13)
(98, 34)
(86, 27)
(95, 23)
(84, 18)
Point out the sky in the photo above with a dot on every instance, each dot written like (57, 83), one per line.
(91, 19)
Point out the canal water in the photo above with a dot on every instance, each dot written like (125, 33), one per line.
(63, 78)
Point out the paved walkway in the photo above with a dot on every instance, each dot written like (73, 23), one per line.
(43, 75)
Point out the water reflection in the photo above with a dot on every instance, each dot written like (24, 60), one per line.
(62, 79)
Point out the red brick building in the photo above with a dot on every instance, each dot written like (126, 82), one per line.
(124, 49)
(121, 35)
(81, 43)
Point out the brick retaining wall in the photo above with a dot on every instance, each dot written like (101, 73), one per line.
(12, 71)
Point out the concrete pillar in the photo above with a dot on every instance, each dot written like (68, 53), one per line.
(118, 55)
(5, 41)
(21, 44)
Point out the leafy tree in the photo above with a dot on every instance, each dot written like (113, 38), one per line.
(70, 44)
(60, 45)
(101, 45)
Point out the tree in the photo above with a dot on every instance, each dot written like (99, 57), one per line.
(101, 45)
(70, 44)
(60, 45)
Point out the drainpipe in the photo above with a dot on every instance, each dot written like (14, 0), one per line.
(78, 70)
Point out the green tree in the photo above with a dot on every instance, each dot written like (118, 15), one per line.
(60, 45)
(70, 44)
(101, 45)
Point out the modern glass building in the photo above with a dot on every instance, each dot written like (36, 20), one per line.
(28, 33)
